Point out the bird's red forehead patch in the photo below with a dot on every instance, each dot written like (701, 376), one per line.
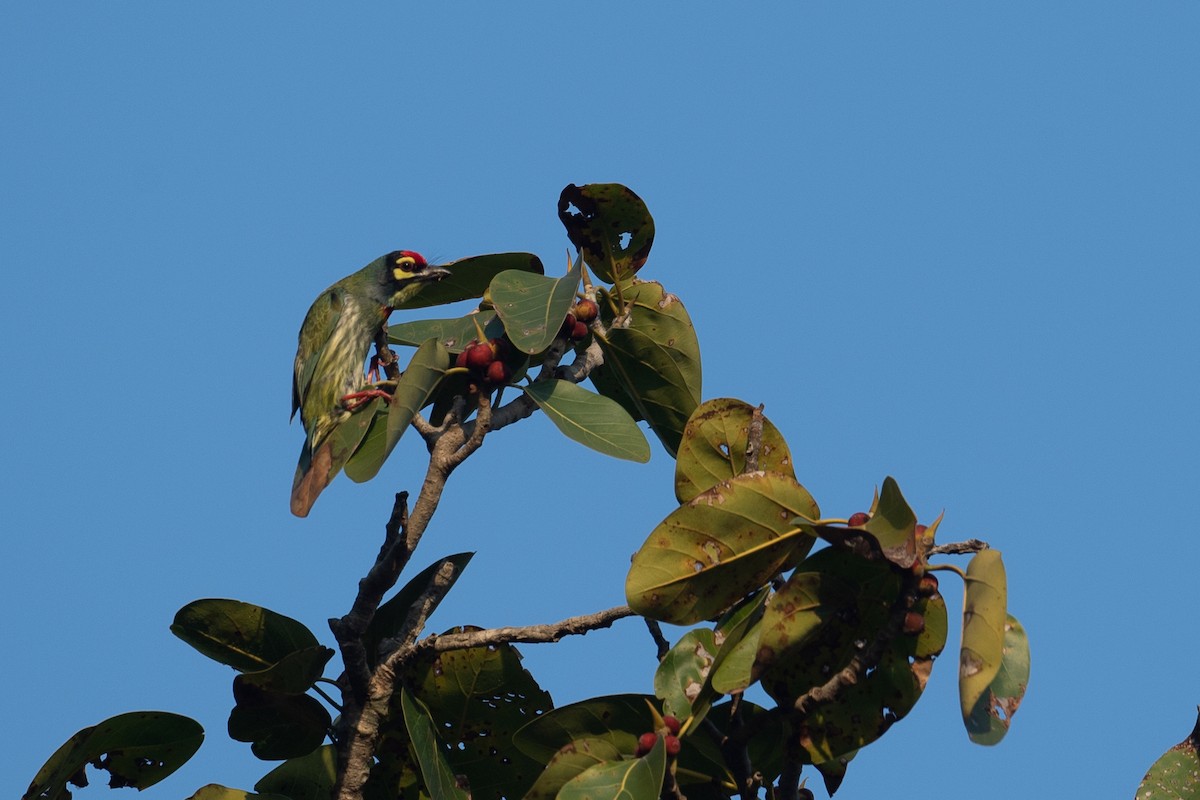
(418, 259)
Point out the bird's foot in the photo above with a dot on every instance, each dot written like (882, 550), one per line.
(356, 400)
(373, 369)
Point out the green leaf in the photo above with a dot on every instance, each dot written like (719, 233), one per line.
(682, 675)
(833, 772)
(478, 698)
(215, 791)
(388, 422)
(610, 226)
(309, 777)
(247, 637)
(1176, 774)
(469, 277)
(764, 748)
(723, 544)
(985, 617)
(993, 712)
(617, 719)
(635, 779)
(713, 447)
(828, 611)
(278, 726)
(652, 365)
(738, 632)
(390, 617)
(533, 307)
(137, 749)
(864, 711)
(454, 334)
(571, 759)
(439, 779)
(273, 712)
(891, 529)
(593, 421)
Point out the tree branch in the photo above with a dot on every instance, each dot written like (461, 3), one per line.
(959, 548)
(530, 634)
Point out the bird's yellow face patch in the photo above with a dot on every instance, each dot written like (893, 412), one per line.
(405, 264)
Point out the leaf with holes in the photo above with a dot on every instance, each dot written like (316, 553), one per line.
(478, 698)
(470, 277)
(137, 749)
(439, 778)
(993, 712)
(985, 616)
(590, 419)
(533, 307)
(610, 226)
(713, 447)
(720, 546)
(617, 719)
(247, 637)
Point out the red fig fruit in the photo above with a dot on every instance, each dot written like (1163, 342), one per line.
(586, 310)
(646, 743)
(498, 372)
(672, 724)
(914, 622)
(858, 518)
(479, 356)
(672, 745)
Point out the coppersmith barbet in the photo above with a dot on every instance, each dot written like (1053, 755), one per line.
(337, 333)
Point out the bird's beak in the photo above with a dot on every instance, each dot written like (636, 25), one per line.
(431, 274)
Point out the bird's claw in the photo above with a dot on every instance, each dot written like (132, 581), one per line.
(356, 400)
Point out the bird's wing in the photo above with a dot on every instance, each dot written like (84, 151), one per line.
(315, 334)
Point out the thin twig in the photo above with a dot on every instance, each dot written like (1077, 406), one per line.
(660, 641)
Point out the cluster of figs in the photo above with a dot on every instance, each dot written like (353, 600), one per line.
(487, 360)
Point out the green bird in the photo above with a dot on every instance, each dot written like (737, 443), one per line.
(328, 381)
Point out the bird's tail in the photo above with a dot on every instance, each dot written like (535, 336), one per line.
(313, 473)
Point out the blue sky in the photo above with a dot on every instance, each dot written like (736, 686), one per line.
(953, 243)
